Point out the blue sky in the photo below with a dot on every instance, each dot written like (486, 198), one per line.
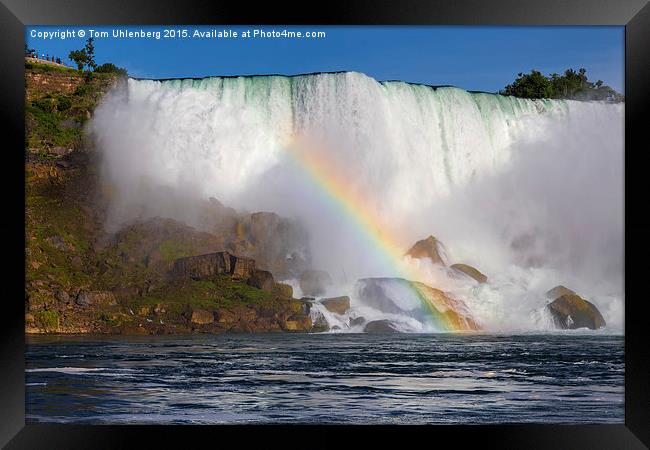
(474, 58)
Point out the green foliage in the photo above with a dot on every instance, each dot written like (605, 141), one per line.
(220, 292)
(40, 68)
(49, 320)
(532, 85)
(89, 49)
(79, 57)
(84, 57)
(111, 68)
(171, 250)
(570, 85)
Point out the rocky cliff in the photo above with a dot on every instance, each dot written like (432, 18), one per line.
(151, 276)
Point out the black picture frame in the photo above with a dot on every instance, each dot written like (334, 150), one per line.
(633, 14)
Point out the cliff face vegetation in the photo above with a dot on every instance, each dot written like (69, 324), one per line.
(82, 279)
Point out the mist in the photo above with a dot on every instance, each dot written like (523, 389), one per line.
(529, 192)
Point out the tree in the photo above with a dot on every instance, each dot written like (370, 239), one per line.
(79, 58)
(110, 68)
(29, 51)
(530, 85)
(90, 53)
(571, 85)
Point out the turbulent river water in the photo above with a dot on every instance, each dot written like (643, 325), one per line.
(571, 377)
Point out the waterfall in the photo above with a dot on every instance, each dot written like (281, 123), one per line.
(530, 191)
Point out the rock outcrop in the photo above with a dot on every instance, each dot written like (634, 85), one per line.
(570, 311)
(314, 283)
(262, 279)
(417, 300)
(96, 298)
(209, 266)
(380, 327)
(201, 317)
(337, 305)
(470, 271)
(427, 248)
(284, 290)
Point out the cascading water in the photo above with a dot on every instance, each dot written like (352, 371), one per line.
(529, 191)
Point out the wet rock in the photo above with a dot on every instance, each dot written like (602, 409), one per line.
(417, 300)
(570, 311)
(298, 322)
(470, 271)
(319, 323)
(559, 291)
(380, 327)
(357, 321)
(338, 305)
(427, 248)
(315, 282)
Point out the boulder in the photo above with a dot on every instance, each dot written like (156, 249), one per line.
(357, 321)
(212, 264)
(297, 322)
(201, 317)
(63, 297)
(417, 300)
(262, 279)
(338, 305)
(559, 291)
(570, 311)
(470, 271)
(315, 282)
(380, 327)
(319, 323)
(284, 290)
(86, 299)
(427, 248)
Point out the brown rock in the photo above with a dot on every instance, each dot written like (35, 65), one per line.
(570, 311)
(262, 279)
(315, 282)
(453, 314)
(380, 327)
(298, 322)
(284, 290)
(559, 291)
(213, 264)
(338, 305)
(226, 317)
(470, 271)
(426, 248)
(202, 317)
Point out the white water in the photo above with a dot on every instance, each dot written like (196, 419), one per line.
(481, 172)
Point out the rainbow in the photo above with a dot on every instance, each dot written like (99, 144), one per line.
(330, 180)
